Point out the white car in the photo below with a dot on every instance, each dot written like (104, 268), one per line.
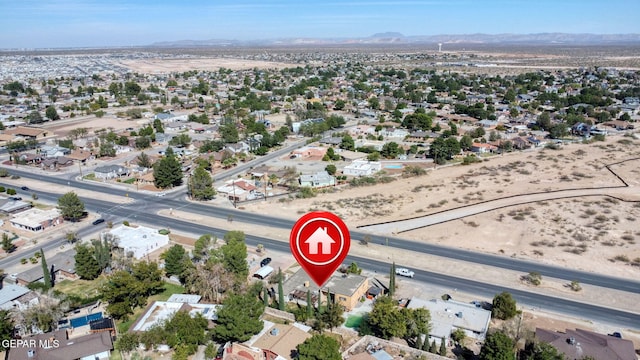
(405, 272)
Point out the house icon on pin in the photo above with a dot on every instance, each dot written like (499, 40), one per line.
(321, 237)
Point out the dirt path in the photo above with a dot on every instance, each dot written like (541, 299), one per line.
(622, 193)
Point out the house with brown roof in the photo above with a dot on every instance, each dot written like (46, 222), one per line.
(282, 339)
(579, 344)
(28, 132)
(57, 345)
(81, 155)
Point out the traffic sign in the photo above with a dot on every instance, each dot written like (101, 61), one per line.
(320, 241)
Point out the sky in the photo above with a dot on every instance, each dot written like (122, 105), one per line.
(93, 23)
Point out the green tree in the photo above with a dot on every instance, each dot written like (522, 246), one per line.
(70, 206)
(497, 346)
(466, 142)
(157, 126)
(6, 328)
(443, 347)
(309, 305)
(180, 141)
(201, 246)
(332, 315)
(187, 331)
(347, 143)
(319, 347)
(86, 264)
(34, 117)
(150, 275)
(46, 273)
(390, 150)
(143, 142)
(131, 88)
(534, 350)
(458, 335)
(175, 261)
(107, 149)
(504, 306)
(7, 244)
(385, 319)
(331, 169)
(167, 172)
(234, 254)
(144, 160)
(51, 113)
(127, 342)
(558, 130)
(392, 279)
(239, 318)
(124, 291)
(102, 251)
(544, 121)
(281, 304)
(201, 185)
(229, 133)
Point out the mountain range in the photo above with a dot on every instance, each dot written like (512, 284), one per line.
(395, 38)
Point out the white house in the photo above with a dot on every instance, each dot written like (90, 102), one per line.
(319, 179)
(362, 168)
(140, 241)
(448, 316)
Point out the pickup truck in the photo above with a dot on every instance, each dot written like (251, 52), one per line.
(404, 272)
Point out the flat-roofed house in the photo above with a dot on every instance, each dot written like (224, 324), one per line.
(36, 220)
(448, 316)
(139, 241)
(362, 168)
(317, 180)
(344, 289)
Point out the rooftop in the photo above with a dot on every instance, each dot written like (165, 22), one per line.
(579, 343)
(344, 284)
(162, 310)
(281, 339)
(447, 315)
(33, 218)
(10, 292)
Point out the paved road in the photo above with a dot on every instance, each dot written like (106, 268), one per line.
(146, 203)
(139, 211)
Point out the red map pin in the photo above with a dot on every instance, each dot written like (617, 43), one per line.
(320, 241)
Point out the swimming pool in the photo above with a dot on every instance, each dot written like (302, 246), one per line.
(393, 166)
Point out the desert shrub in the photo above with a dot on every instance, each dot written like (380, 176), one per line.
(623, 258)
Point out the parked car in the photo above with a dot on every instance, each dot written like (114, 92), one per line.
(405, 272)
(15, 198)
(25, 188)
(265, 262)
(98, 221)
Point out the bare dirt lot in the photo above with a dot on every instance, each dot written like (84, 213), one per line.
(158, 66)
(594, 233)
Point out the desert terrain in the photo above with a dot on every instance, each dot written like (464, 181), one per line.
(591, 233)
